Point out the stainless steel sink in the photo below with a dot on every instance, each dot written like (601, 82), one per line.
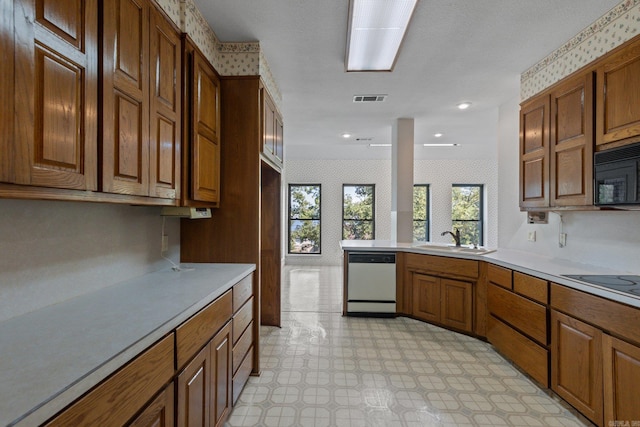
(454, 249)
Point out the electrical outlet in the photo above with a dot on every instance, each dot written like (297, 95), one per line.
(562, 241)
(165, 243)
(532, 236)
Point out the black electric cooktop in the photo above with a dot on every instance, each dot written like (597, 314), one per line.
(624, 283)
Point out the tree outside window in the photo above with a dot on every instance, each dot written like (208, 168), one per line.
(358, 212)
(421, 213)
(304, 218)
(466, 212)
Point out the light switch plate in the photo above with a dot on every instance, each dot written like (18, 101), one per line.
(562, 241)
(532, 236)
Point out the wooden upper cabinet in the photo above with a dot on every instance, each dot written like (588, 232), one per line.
(273, 129)
(534, 152)
(55, 94)
(166, 111)
(141, 108)
(618, 109)
(201, 157)
(571, 147)
(6, 90)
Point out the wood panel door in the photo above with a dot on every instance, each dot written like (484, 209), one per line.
(125, 97)
(621, 380)
(269, 123)
(456, 301)
(618, 107)
(571, 134)
(194, 391)
(220, 379)
(56, 94)
(534, 152)
(205, 143)
(576, 364)
(270, 246)
(165, 109)
(6, 90)
(426, 297)
(159, 413)
(279, 139)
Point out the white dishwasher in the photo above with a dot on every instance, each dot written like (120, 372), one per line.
(371, 284)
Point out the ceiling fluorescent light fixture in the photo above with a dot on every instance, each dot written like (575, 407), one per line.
(441, 145)
(379, 145)
(376, 31)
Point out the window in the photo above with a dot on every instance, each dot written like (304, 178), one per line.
(466, 212)
(304, 218)
(421, 213)
(358, 212)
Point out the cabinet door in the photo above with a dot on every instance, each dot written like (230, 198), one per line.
(576, 364)
(56, 94)
(205, 144)
(6, 90)
(194, 391)
(269, 117)
(621, 380)
(221, 376)
(571, 134)
(159, 413)
(166, 113)
(279, 139)
(125, 97)
(534, 152)
(456, 304)
(426, 297)
(618, 107)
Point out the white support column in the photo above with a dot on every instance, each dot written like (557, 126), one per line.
(402, 181)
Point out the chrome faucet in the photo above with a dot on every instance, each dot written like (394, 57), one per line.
(456, 236)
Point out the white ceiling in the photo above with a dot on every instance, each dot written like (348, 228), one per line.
(455, 50)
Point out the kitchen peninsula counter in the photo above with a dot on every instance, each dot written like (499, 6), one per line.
(52, 356)
(547, 268)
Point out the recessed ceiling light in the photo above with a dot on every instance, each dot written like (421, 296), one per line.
(437, 135)
(441, 145)
(376, 30)
(346, 135)
(379, 145)
(464, 105)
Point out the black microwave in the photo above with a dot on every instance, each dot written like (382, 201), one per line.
(617, 176)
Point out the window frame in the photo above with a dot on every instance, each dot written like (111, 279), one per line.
(480, 219)
(319, 219)
(373, 210)
(427, 221)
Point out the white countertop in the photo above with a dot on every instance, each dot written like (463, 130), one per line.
(51, 356)
(540, 266)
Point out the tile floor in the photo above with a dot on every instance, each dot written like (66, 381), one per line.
(322, 369)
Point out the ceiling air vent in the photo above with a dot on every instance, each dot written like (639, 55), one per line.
(369, 98)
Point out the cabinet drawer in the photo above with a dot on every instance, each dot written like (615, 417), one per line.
(242, 347)
(198, 330)
(500, 276)
(616, 318)
(454, 267)
(241, 319)
(118, 398)
(527, 316)
(529, 356)
(242, 291)
(532, 287)
(242, 375)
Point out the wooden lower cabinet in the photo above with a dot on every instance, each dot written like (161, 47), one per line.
(444, 301)
(159, 413)
(204, 386)
(621, 381)
(576, 364)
